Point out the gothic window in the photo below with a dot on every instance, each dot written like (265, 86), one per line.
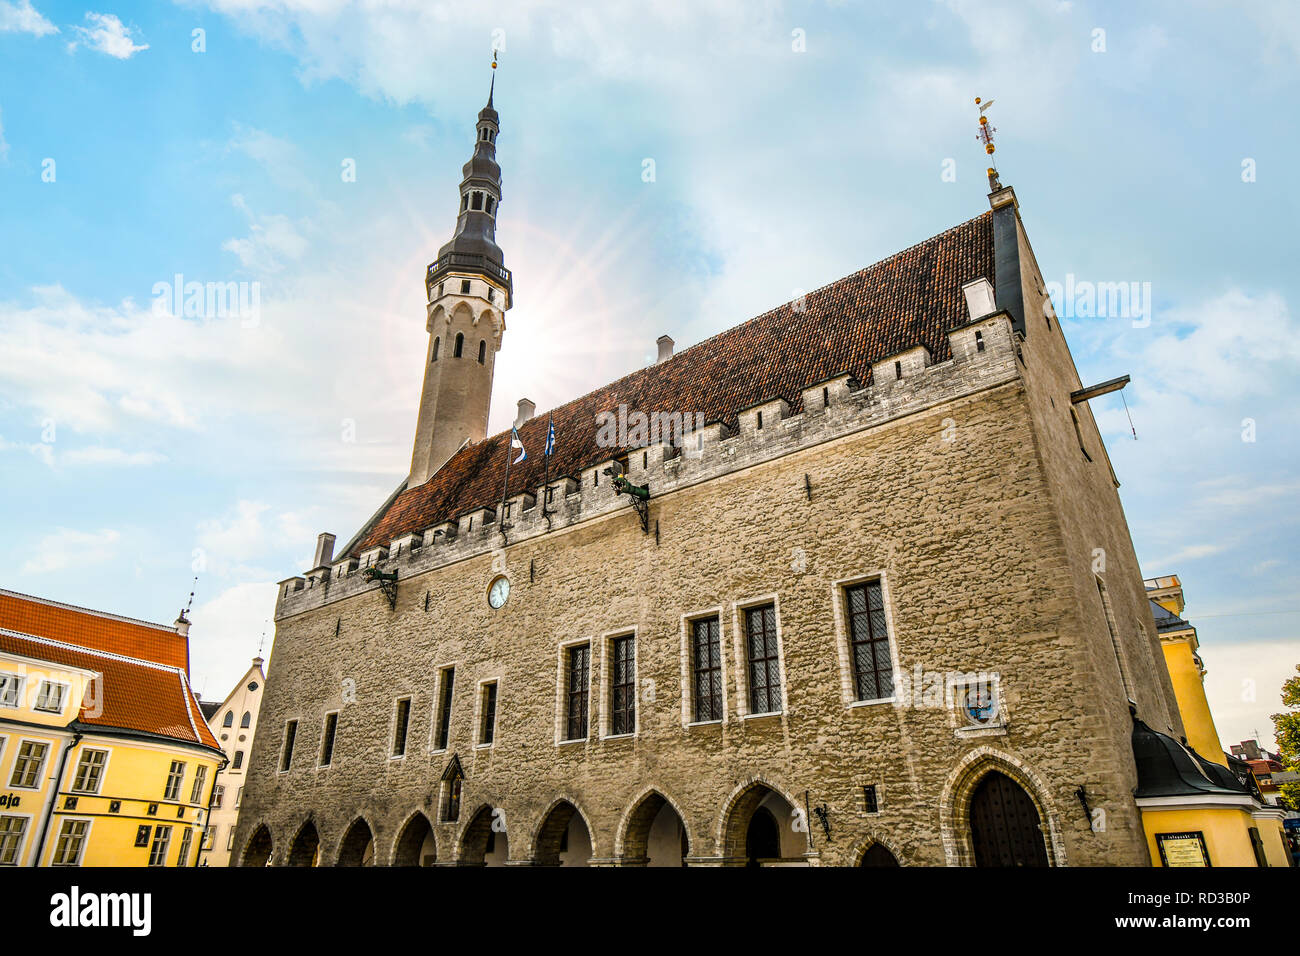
(229, 719)
(464, 202)
(764, 660)
(482, 352)
(238, 761)
(246, 721)
(491, 203)
(706, 670)
(286, 755)
(873, 671)
(488, 730)
(400, 725)
(327, 739)
(460, 345)
(444, 709)
(437, 343)
(478, 201)
(578, 693)
(622, 703)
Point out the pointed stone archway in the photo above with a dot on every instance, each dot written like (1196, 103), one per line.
(358, 845)
(654, 833)
(257, 852)
(305, 849)
(563, 839)
(415, 844)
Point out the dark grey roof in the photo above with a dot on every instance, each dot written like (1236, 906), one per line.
(209, 707)
(1166, 620)
(1167, 768)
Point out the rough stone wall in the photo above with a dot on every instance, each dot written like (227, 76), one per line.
(952, 505)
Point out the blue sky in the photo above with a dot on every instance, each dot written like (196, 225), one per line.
(137, 446)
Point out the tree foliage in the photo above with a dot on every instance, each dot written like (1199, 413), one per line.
(1286, 725)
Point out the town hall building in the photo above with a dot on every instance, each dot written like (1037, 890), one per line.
(877, 605)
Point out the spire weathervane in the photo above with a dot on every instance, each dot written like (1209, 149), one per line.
(985, 136)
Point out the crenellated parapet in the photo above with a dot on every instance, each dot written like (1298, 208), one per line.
(984, 354)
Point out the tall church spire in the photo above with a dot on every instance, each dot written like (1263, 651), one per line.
(469, 290)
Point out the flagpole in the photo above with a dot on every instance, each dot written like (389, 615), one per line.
(505, 486)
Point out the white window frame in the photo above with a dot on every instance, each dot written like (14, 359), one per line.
(22, 840)
(605, 724)
(42, 693)
(15, 697)
(168, 795)
(562, 690)
(688, 666)
(199, 784)
(740, 641)
(209, 837)
(81, 849)
(218, 798)
(480, 694)
(40, 768)
(103, 769)
(166, 844)
(186, 846)
(843, 637)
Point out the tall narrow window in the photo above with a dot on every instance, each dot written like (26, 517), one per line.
(873, 670)
(162, 837)
(187, 835)
(579, 672)
(488, 729)
(437, 343)
(400, 724)
(482, 351)
(622, 688)
(327, 739)
(229, 719)
(444, 709)
(28, 764)
(451, 812)
(478, 201)
(464, 290)
(1121, 661)
(464, 202)
(1078, 433)
(11, 839)
(898, 370)
(764, 662)
(246, 721)
(286, 752)
(90, 771)
(72, 839)
(706, 670)
(200, 778)
(460, 344)
(218, 796)
(174, 777)
(238, 761)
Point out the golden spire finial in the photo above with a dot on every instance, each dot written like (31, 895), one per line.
(985, 136)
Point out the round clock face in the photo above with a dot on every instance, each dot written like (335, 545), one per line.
(499, 592)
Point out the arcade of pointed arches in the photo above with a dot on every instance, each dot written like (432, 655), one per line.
(761, 824)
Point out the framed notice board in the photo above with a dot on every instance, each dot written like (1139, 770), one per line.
(1183, 849)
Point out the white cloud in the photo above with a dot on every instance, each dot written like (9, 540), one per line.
(99, 455)
(21, 17)
(1190, 553)
(1243, 682)
(272, 240)
(224, 635)
(109, 35)
(67, 548)
(233, 538)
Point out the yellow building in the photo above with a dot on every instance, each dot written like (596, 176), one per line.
(105, 759)
(1199, 806)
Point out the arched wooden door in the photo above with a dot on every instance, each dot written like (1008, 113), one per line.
(1005, 827)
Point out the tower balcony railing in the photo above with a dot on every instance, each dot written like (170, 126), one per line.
(453, 261)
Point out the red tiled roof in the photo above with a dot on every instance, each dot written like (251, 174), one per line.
(912, 298)
(87, 628)
(132, 694)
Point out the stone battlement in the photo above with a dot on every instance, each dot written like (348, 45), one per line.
(984, 354)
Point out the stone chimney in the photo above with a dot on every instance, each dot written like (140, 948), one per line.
(979, 298)
(526, 410)
(665, 343)
(324, 550)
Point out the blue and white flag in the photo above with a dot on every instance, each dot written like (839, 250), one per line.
(516, 443)
(550, 438)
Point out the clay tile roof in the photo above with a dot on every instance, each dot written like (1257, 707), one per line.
(912, 298)
(94, 629)
(132, 694)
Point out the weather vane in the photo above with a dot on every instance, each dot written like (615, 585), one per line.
(985, 136)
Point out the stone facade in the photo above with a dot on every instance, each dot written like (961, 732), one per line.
(960, 486)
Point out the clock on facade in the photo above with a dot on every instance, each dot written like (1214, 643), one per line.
(499, 592)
